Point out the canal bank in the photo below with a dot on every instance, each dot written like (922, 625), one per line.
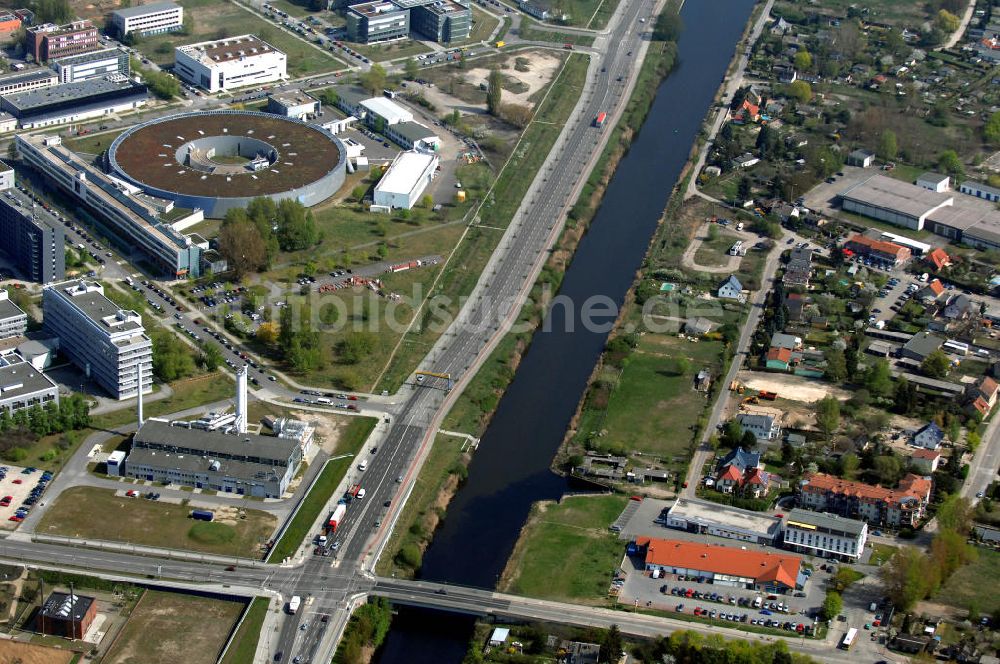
(510, 471)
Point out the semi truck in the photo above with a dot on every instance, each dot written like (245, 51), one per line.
(202, 515)
(293, 604)
(336, 518)
(600, 119)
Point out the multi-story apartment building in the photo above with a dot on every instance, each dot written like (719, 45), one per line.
(902, 506)
(108, 343)
(49, 41)
(377, 21)
(230, 63)
(152, 19)
(825, 535)
(30, 236)
(96, 64)
(13, 321)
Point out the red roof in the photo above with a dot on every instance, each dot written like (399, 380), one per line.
(756, 476)
(881, 246)
(752, 108)
(988, 387)
(762, 567)
(731, 473)
(938, 258)
(936, 287)
(923, 453)
(981, 405)
(911, 486)
(780, 354)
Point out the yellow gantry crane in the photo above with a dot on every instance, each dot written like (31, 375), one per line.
(445, 376)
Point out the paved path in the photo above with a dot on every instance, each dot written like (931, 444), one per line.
(956, 36)
(688, 260)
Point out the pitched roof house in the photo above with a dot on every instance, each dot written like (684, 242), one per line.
(902, 506)
(774, 571)
(929, 436)
(925, 461)
(731, 289)
(779, 359)
(938, 259)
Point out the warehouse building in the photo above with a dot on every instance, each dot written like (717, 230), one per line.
(23, 386)
(413, 136)
(36, 79)
(96, 64)
(230, 63)
(152, 19)
(13, 321)
(75, 102)
(707, 518)
(722, 565)
(132, 221)
(405, 181)
(980, 190)
(67, 615)
(377, 22)
(49, 41)
(32, 238)
(893, 201)
(825, 535)
(243, 464)
(298, 105)
(107, 343)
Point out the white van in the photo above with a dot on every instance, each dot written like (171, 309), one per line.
(361, 494)
(324, 402)
(363, 466)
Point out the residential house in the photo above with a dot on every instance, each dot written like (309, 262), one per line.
(779, 359)
(924, 461)
(986, 389)
(698, 326)
(929, 436)
(931, 292)
(938, 259)
(903, 506)
(861, 158)
(740, 458)
(745, 160)
(780, 27)
(794, 302)
(785, 73)
(765, 427)
(747, 112)
(731, 289)
(789, 341)
(958, 307)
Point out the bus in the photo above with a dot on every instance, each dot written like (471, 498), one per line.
(849, 638)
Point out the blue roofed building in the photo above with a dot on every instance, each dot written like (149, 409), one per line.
(929, 436)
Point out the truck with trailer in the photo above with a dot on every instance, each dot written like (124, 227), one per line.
(203, 515)
(336, 518)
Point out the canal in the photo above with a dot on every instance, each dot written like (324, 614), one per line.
(510, 470)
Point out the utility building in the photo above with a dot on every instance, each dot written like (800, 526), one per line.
(67, 615)
(406, 179)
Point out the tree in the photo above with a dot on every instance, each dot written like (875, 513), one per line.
(241, 244)
(494, 92)
(748, 440)
(410, 69)
(878, 379)
(888, 469)
(161, 84)
(267, 333)
(800, 91)
(836, 365)
(887, 147)
(52, 11)
(951, 163)
(744, 189)
(328, 96)
(905, 397)
(356, 346)
(849, 464)
(611, 645)
(732, 434)
(296, 227)
(832, 605)
(991, 130)
(936, 364)
(904, 577)
(955, 513)
(803, 60)
(171, 358)
(946, 22)
(374, 79)
(210, 357)
(668, 25)
(828, 415)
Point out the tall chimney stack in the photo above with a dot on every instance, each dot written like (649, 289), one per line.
(241, 400)
(138, 399)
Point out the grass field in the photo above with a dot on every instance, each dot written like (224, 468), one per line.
(166, 628)
(353, 439)
(94, 513)
(530, 31)
(225, 19)
(965, 588)
(566, 551)
(92, 143)
(881, 553)
(714, 253)
(188, 393)
(13, 652)
(406, 48)
(244, 644)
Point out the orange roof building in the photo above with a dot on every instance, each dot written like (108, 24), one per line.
(723, 565)
(936, 287)
(902, 506)
(938, 258)
(887, 252)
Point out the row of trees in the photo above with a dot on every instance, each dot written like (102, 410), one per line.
(367, 630)
(250, 238)
(72, 412)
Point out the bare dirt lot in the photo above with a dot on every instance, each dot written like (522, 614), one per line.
(794, 388)
(166, 628)
(12, 652)
(541, 67)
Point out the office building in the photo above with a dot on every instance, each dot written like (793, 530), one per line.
(722, 565)
(380, 111)
(49, 41)
(825, 535)
(107, 343)
(297, 104)
(230, 63)
(32, 238)
(406, 179)
(440, 20)
(152, 19)
(708, 518)
(377, 22)
(413, 136)
(13, 321)
(75, 102)
(903, 506)
(67, 615)
(23, 386)
(95, 64)
(24, 81)
(243, 464)
(131, 219)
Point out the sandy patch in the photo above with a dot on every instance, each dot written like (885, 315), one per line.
(793, 388)
(25, 653)
(542, 67)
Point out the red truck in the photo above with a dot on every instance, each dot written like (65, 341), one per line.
(336, 518)
(600, 119)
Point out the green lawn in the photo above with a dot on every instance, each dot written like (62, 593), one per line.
(167, 627)
(92, 143)
(390, 51)
(881, 553)
(322, 489)
(714, 253)
(244, 644)
(566, 551)
(98, 514)
(482, 27)
(188, 393)
(966, 586)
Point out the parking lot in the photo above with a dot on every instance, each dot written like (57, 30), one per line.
(17, 486)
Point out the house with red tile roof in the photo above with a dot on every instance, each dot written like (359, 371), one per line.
(978, 406)
(880, 250)
(778, 358)
(747, 112)
(985, 388)
(925, 461)
(903, 506)
(723, 565)
(938, 259)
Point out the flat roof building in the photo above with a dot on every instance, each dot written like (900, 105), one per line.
(723, 565)
(75, 102)
(230, 63)
(67, 615)
(152, 19)
(406, 179)
(440, 20)
(13, 321)
(707, 518)
(23, 386)
(825, 535)
(891, 200)
(243, 464)
(380, 109)
(108, 343)
(25, 81)
(49, 41)
(32, 238)
(298, 105)
(413, 136)
(376, 22)
(95, 64)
